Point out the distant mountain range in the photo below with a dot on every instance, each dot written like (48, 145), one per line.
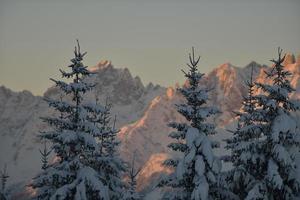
(143, 113)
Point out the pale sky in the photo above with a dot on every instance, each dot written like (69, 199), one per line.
(152, 38)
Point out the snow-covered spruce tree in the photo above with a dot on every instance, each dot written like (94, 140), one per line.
(275, 173)
(72, 176)
(107, 160)
(131, 193)
(196, 172)
(245, 147)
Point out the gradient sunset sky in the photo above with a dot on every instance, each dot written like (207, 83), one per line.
(152, 38)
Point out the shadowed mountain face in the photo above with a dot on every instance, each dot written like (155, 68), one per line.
(142, 112)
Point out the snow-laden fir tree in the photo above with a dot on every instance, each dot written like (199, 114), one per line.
(278, 145)
(131, 193)
(107, 160)
(73, 175)
(245, 147)
(196, 171)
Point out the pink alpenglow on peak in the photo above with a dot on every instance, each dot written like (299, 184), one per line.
(101, 65)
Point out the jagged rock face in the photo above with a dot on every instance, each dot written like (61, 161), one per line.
(127, 94)
(228, 82)
(118, 84)
(149, 135)
(18, 104)
(133, 90)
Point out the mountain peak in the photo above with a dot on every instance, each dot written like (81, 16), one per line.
(225, 66)
(289, 59)
(5, 92)
(298, 59)
(252, 64)
(224, 71)
(170, 93)
(103, 64)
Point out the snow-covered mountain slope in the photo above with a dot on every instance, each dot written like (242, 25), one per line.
(152, 171)
(147, 136)
(19, 122)
(143, 114)
(227, 84)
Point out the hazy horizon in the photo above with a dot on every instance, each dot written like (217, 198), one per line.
(151, 38)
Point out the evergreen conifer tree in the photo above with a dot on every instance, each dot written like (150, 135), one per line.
(196, 172)
(266, 142)
(279, 142)
(131, 193)
(72, 176)
(107, 160)
(243, 146)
